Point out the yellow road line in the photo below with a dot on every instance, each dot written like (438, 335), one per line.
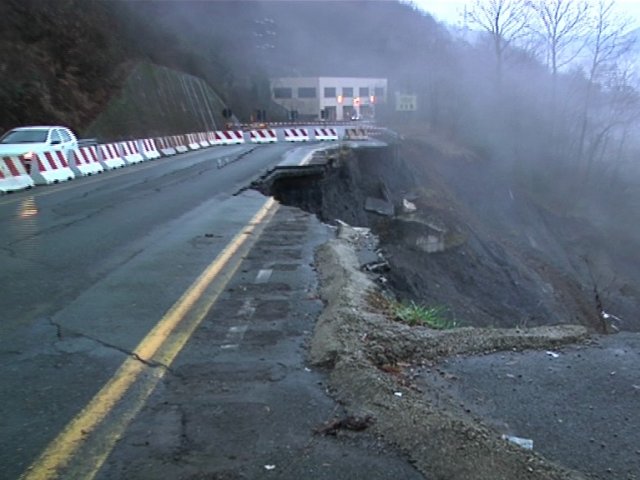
(162, 344)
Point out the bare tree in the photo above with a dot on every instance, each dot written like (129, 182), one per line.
(563, 24)
(614, 119)
(506, 21)
(608, 42)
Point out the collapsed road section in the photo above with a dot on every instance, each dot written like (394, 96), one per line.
(435, 251)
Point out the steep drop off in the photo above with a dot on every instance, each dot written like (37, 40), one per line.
(477, 246)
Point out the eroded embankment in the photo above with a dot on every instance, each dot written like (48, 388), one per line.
(364, 349)
(441, 252)
(489, 265)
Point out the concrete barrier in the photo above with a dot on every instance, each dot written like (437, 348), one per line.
(263, 135)
(14, 175)
(109, 156)
(213, 141)
(325, 134)
(202, 139)
(165, 146)
(148, 149)
(49, 167)
(296, 135)
(192, 141)
(180, 143)
(230, 137)
(129, 152)
(356, 134)
(84, 161)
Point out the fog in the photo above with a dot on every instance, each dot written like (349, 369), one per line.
(551, 109)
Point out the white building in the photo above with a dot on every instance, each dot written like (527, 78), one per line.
(331, 98)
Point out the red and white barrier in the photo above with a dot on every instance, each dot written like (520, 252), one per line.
(265, 135)
(165, 146)
(84, 161)
(148, 149)
(49, 167)
(179, 143)
(202, 139)
(296, 135)
(213, 141)
(192, 141)
(356, 134)
(325, 134)
(110, 157)
(130, 152)
(13, 175)
(230, 137)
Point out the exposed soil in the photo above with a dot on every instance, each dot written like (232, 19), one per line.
(481, 249)
(493, 257)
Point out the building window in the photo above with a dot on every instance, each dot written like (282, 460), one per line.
(282, 93)
(347, 92)
(329, 92)
(364, 91)
(306, 92)
(379, 92)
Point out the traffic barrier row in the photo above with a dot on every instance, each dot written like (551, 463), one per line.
(21, 172)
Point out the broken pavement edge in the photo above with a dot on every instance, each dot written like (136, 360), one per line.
(353, 341)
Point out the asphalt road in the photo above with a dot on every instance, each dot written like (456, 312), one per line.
(578, 405)
(154, 325)
(89, 266)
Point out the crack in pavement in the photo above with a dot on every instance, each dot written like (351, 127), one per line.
(149, 363)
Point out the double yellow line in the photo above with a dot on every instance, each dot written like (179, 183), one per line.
(80, 450)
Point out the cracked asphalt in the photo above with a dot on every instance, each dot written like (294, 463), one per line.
(89, 267)
(578, 404)
(240, 401)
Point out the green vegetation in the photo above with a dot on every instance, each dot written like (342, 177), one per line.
(414, 314)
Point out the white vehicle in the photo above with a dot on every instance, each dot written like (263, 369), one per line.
(27, 141)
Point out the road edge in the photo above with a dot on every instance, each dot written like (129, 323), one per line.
(362, 349)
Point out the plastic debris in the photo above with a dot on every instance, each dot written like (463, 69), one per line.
(552, 354)
(525, 443)
(408, 206)
(397, 394)
(269, 467)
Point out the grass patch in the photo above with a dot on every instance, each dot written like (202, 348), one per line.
(414, 314)
(411, 313)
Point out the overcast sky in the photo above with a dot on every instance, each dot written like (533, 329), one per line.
(450, 11)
